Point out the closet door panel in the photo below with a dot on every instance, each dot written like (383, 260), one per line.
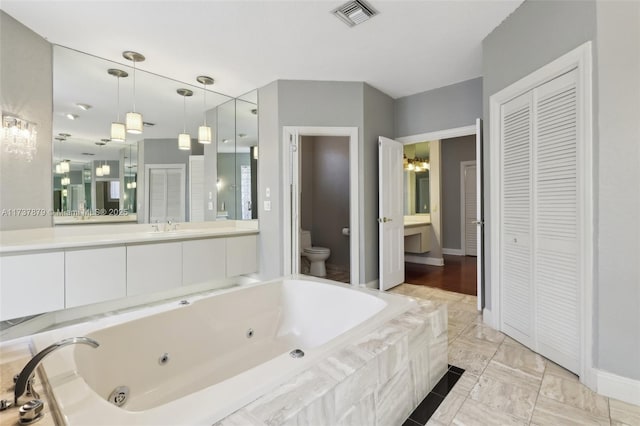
(557, 222)
(516, 268)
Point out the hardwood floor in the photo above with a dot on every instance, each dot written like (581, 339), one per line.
(458, 274)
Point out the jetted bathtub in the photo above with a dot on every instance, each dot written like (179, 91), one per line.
(196, 363)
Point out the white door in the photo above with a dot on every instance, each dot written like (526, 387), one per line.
(166, 194)
(479, 222)
(470, 203)
(390, 213)
(541, 220)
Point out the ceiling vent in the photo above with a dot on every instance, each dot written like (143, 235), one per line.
(355, 12)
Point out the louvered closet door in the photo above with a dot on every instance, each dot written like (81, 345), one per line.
(516, 201)
(556, 221)
(175, 195)
(470, 211)
(157, 195)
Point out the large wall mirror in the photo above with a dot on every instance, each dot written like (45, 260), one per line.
(147, 177)
(416, 179)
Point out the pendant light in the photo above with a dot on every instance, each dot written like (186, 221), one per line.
(65, 166)
(204, 132)
(99, 171)
(117, 128)
(134, 119)
(184, 138)
(106, 169)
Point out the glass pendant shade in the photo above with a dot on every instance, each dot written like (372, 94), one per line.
(118, 132)
(106, 169)
(64, 192)
(64, 167)
(134, 184)
(184, 141)
(99, 171)
(134, 123)
(58, 169)
(204, 134)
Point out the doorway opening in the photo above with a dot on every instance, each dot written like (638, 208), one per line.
(336, 229)
(443, 199)
(324, 207)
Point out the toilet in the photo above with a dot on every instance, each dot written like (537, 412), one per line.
(316, 255)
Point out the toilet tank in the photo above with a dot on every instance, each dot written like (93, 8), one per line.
(305, 239)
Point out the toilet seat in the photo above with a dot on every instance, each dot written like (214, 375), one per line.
(316, 250)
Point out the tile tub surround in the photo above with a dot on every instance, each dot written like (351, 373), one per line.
(377, 380)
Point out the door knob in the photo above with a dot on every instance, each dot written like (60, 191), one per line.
(477, 222)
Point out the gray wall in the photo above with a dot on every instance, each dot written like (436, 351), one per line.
(26, 89)
(533, 35)
(314, 103)
(270, 244)
(326, 197)
(448, 107)
(378, 121)
(453, 151)
(618, 188)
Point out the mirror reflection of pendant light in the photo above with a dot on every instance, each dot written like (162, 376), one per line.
(117, 128)
(106, 169)
(204, 132)
(99, 171)
(64, 166)
(134, 119)
(184, 138)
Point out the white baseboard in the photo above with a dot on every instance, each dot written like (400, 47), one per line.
(618, 387)
(488, 319)
(434, 261)
(375, 284)
(453, 252)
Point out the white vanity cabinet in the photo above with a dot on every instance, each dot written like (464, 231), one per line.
(153, 267)
(31, 284)
(95, 275)
(242, 255)
(203, 260)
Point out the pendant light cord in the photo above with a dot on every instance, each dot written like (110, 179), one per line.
(118, 101)
(134, 85)
(184, 114)
(204, 88)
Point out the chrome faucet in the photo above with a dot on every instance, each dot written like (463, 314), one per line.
(24, 378)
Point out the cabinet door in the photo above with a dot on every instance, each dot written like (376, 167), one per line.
(241, 255)
(95, 275)
(203, 260)
(31, 284)
(153, 267)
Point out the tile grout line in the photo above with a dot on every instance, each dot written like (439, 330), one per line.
(535, 404)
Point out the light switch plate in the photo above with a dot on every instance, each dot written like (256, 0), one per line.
(268, 192)
(267, 206)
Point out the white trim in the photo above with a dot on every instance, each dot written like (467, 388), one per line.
(618, 387)
(375, 285)
(580, 58)
(438, 135)
(433, 261)
(289, 179)
(489, 319)
(463, 205)
(453, 252)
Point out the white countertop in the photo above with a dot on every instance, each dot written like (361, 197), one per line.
(417, 220)
(109, 235)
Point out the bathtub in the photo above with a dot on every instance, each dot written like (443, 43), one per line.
(196, 363)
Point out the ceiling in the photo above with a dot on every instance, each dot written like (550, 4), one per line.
(410, 47)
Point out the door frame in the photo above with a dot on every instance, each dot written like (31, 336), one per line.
(463, 204)
(580, 59)
(438, 136)
(291, 202)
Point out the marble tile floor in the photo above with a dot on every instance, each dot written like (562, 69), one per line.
(505, 383)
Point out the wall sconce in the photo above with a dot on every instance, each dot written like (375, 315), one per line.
(204, 132)
(19, 137)
(133, 119)
(184, 138)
